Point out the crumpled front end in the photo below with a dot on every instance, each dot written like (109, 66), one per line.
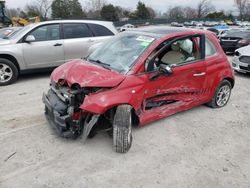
(70, 84)
(63, 113)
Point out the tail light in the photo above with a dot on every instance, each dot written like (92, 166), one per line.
(244, 42)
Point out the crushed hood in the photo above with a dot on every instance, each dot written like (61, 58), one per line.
(86, 74)
(244, 50)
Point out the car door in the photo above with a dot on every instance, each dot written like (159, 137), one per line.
(77, 40)
(165, 94)
(46, 48)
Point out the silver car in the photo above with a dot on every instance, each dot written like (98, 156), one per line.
(49, 44)
(241, 60)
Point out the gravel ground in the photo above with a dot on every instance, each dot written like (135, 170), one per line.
(201, 147)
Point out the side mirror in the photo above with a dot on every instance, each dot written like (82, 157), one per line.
(165, 69)
(30, 38)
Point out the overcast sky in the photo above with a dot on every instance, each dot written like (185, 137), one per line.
(159, 5)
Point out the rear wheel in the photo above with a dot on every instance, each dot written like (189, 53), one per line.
(222, 95)
(8, 72)
(122, 129)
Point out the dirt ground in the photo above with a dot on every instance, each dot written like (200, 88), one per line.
(201, 147)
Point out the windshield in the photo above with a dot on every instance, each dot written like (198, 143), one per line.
(121, 52)
(19, 32)
(3, 33)
(14, 32)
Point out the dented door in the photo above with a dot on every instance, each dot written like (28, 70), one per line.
(170, 94)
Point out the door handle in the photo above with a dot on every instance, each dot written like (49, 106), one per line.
(91, 40)
(57, 44)
(200, 74)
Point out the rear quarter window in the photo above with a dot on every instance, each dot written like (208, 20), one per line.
(76, 30)
(210, 48)
(100, 30)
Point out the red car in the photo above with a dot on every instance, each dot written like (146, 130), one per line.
(136, 78)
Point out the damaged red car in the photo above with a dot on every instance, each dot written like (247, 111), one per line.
(135, 78)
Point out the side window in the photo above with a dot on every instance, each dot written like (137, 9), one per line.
(48, 32)
(177, 53)
(100, 30)
(72, 31)
(210, 48)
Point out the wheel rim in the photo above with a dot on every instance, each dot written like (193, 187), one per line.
(223, 95)
(6, 73)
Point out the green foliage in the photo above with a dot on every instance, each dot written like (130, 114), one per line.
(67, 9)
(109, 12)
(220, 15)
(142, 11)
(32, 11)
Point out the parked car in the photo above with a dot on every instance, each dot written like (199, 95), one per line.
(176, 24)
(6, 32)
(136, 78)
(218, 32)
(229, 22)
(187, 24)
(235, 40)
(126, 27)
(241, 60)
(49, 44)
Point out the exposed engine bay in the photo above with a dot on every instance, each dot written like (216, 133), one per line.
(62, 108)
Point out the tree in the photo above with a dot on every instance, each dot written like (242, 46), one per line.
(76, 10)
(126, 13)
(151, 12)
(189, 13)
(95, 5)
(32, 11)
(242, 6)
(60, 9)
(175, 12)
(109, 12)
(218, 15)
(67, 9)
(141, 11)
(44, 8)
(204, 7)
(93, 8)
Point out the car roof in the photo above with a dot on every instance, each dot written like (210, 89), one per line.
(160, 31)
(75, 21)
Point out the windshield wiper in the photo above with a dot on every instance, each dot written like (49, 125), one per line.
(105, 65)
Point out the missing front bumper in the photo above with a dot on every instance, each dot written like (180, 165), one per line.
(65, 126)
(59, 123)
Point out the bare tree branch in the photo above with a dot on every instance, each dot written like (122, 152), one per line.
(204, 7)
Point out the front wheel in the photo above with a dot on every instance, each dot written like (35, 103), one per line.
(122, 129)
(8, 72)
(222, 95)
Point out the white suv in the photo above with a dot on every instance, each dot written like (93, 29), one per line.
(49, 44)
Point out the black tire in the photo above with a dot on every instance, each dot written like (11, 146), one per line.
(11, 69)
(214, 102)
(122, 129)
